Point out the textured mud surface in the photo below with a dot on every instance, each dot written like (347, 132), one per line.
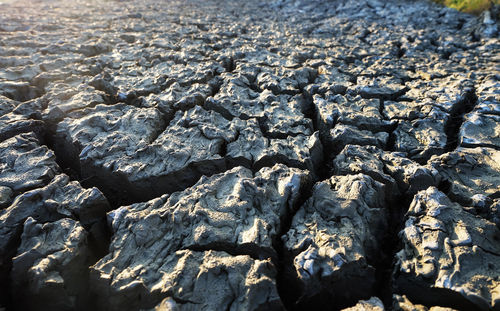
(248, 155)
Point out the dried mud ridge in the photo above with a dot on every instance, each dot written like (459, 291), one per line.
(248, 155)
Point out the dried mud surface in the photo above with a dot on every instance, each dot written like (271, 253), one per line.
(248, 155)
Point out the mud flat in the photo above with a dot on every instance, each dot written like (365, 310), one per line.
(248, 155)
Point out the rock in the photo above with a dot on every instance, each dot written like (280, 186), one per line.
(235, 211)
(24, 164)
(333, 239)
(448, 251)
(50, 267)
(480, 130)
(373, 304)
(470, 173)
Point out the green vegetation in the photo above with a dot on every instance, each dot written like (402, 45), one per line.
(469, 6)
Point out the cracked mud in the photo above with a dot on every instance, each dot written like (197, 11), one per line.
(248, 155)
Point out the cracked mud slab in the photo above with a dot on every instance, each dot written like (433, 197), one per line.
(248, 155)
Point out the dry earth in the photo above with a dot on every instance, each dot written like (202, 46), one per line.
(248, 155)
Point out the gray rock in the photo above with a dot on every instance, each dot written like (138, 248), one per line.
(50, 267)
(234, 211)
(333, 238)
(450, 251)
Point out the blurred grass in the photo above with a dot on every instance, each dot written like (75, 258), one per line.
(469, 6)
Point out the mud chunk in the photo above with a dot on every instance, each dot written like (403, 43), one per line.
(410, 175)
(235, 211)
(331, 79)
(149, 159)
(382, 87)
(347, 110)
(447, 93)
(342, 135)
(472, 175)
(282, 119)
(5, 196)
(421, 138)
(252, 149)
(61, 198)
(50, 267)
(355, 159)
(214, 280)
(24, 164)
(413, 110)
(402, 303)
(333, 238)
(13, 124)
(372, 304)
(480, 130)
(400, 174)
(448, 251)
